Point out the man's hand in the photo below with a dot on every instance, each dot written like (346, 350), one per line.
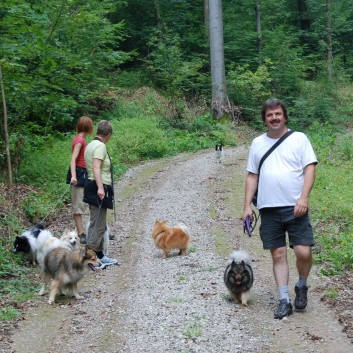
(301, 207)
(247, 212)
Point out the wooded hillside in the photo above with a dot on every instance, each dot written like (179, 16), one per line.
(63, 59)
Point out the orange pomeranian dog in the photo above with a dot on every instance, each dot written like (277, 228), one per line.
(168, 238)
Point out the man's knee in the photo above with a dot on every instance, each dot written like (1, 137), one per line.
(279, 254)
(303, 252)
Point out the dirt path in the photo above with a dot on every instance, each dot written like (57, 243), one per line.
(148, 304)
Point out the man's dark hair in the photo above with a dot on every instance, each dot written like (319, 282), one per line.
(271, 104)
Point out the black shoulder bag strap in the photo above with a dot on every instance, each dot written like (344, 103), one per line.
(289, 132)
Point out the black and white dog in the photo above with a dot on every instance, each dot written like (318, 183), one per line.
(31, 241)
(219, 153)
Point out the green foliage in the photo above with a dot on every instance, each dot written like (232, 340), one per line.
(14, 280)
(250, 88)
(44, 167)
(193, 329)
(169, 68)
(56, 58)
(184, 19)
(132, 79)
(148, 126)
(336, 252)
(140, 133)
(144, 138)
(331, 198)
(345, 149)
(8, 313)
(182, 278)
(49, 154)
(175, 299)
(331, 293)
(289, 66)
(137, 139)
(316, 104)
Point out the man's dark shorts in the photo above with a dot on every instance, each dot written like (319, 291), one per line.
(276, 221)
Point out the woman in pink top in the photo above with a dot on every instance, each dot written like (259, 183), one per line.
(78, 168)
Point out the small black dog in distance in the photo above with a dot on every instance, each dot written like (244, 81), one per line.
(219, 153)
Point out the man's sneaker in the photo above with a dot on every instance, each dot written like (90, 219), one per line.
(284, 309)
(105, 260)
(301, 299)
(83, 238)
(111, 236)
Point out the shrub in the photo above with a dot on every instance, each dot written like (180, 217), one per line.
(138, 138)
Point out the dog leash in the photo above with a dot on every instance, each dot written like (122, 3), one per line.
(250, 224)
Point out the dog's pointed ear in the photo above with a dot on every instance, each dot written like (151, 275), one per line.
(83, 251)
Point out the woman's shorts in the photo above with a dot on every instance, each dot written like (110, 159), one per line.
(78, 206)
(277, 221)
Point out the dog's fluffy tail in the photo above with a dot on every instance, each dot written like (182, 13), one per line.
(185, 229)
(239, 256)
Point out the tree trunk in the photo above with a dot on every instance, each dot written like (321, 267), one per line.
(6, 134)
(158, 13)
(258, 28)
(329, 40)
(219, 96)
(207, 20)
(304, 20)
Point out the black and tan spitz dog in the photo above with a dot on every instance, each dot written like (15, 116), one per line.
(238, 276)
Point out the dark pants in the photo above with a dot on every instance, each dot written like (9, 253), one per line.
(98, 221)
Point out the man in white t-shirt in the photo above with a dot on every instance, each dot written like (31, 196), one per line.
(284, 184)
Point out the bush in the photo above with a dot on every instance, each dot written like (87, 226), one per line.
(136, 139)
(249, 89)
(331, 198)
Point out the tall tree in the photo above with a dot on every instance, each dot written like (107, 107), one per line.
(219, 95)
(304, 20)
(207, 19)
(258, 27)
(329, 39)
(6, 133)
(158, 13)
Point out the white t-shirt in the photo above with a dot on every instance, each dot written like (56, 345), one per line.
(282, 173)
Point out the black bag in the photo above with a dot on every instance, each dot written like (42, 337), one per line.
(81, 176)
(289, 132)
(90, 195)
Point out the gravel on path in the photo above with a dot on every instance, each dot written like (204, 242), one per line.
(179, 304)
